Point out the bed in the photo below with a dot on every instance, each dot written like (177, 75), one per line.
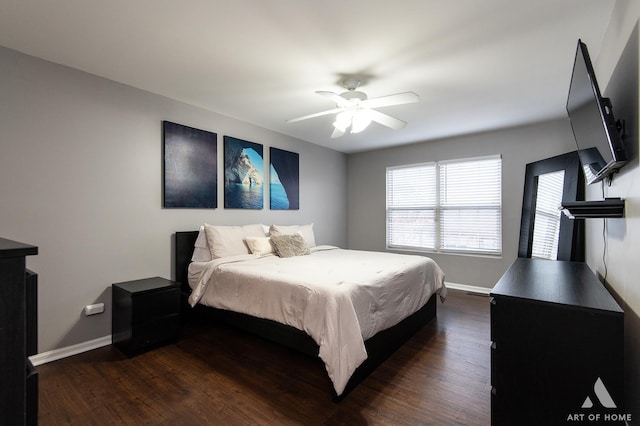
(314, 301)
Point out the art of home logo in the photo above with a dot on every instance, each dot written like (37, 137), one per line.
(593, 412)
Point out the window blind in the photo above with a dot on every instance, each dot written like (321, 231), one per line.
(471, 205)
(411, 206)
(448, 206)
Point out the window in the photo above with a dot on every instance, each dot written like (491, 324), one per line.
(448, 206)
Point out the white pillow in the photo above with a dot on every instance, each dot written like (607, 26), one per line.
(260, 246)
(229, 240)
(305, 230)
(201, 252)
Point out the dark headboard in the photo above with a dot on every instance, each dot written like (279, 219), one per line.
(182, 257)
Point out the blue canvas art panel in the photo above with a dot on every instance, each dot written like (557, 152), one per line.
(190, 168)
(284, 179)
(243, 174)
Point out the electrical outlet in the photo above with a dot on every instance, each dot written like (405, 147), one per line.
(97, 308)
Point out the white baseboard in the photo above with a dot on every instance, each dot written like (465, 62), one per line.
(468, 288)
(57, 354)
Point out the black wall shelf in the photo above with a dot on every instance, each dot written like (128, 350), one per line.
(607, 208)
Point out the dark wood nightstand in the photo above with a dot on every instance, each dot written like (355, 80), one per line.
(145, 314)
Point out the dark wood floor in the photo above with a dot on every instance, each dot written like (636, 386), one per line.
(217, 375)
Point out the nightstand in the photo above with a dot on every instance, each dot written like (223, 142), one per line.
(145, 314)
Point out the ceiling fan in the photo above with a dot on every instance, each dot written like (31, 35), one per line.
(354, 110)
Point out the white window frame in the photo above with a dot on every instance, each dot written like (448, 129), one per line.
(419, 206)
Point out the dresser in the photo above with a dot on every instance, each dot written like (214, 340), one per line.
(145, 314)
(557, 345)
(19, 389)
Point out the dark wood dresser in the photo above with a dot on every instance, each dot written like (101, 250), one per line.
(19, 389)
(145, 314)
(557, 351)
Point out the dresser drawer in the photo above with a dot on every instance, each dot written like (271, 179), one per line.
(492, 317)
(494, 358)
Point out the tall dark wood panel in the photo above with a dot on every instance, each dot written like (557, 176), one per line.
(14, 365)
(556, 332)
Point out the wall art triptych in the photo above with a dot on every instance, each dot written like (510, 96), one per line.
(190, 172)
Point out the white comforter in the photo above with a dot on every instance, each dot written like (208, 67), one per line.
(339, 297)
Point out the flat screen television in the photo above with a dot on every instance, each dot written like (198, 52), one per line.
(595, 129)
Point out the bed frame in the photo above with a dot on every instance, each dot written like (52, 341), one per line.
(379, 347)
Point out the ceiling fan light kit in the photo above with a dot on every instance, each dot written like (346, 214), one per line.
(360, 120)
(355, 111)
(343, 121)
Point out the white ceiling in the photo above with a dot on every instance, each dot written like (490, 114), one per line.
(476, 65)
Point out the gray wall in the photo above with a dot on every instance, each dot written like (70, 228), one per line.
(617, 70)
(81, 174)
(517, 146)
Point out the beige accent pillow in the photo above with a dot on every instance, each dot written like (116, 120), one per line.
(229, 240)
(260, 246)
(290, 245)
(305, 230)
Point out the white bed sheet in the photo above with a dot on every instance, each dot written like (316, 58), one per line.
(339, 297)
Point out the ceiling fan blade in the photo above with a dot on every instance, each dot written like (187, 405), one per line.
(336, 133)
(339, 100)
(397, 99)
(317, 114)
(387, 120)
